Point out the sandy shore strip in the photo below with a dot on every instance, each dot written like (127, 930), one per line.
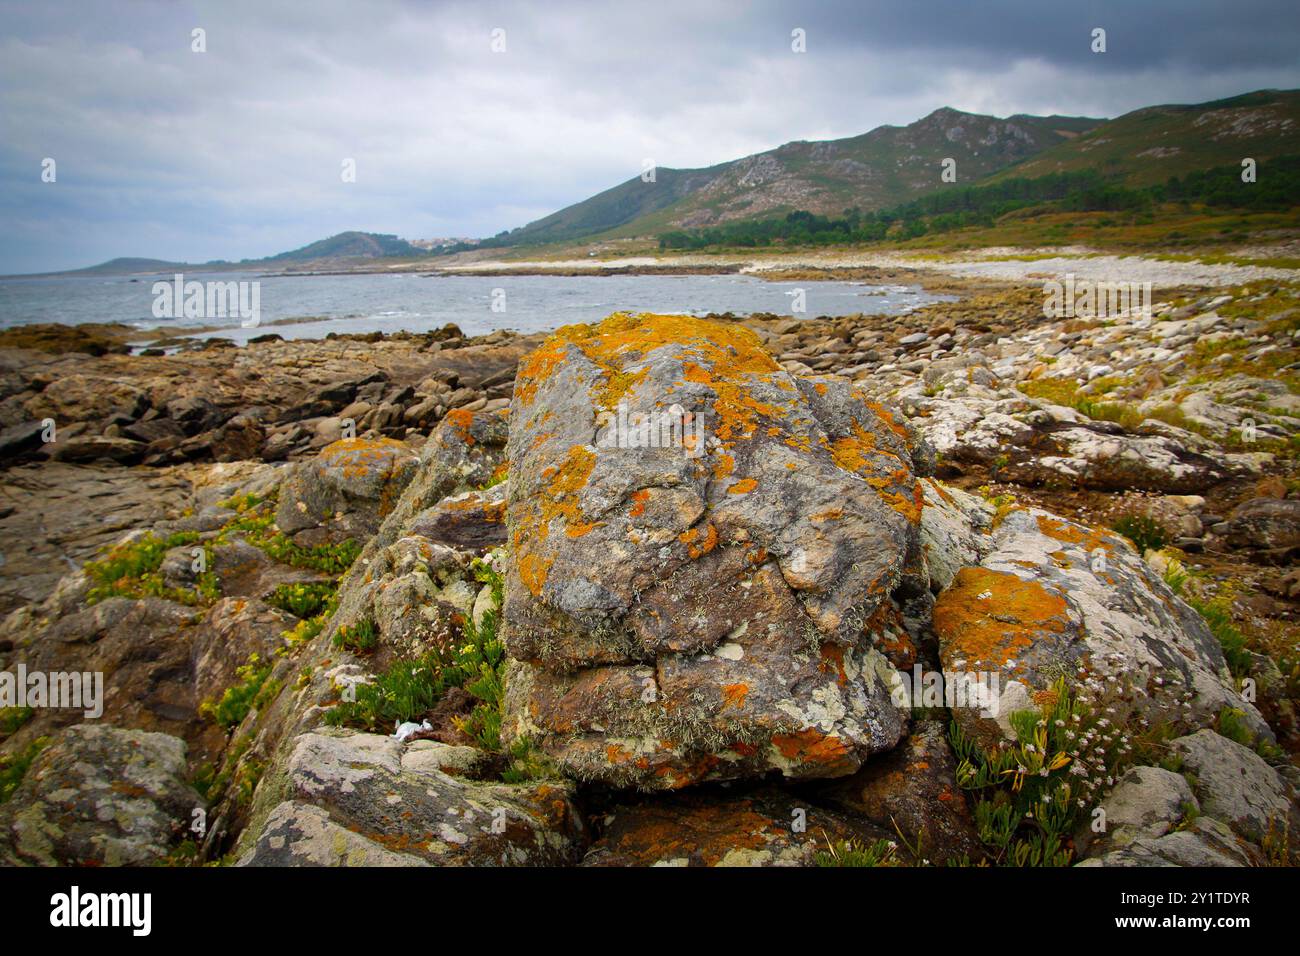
(1010, 265)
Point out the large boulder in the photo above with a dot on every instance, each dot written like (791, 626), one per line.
(1054, 598)
(100, 796)
(698, 544)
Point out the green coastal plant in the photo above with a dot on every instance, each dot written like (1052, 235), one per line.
(251, 691)
(13, 766)
(882, 852)
(255, 522)
(1218, 617)
(12, 719)
(1029, 795)
(359, 638)
(1146, 533)
(309, 627)
(1231, 723)
(409, 689)
(305, 599)
(131, 570)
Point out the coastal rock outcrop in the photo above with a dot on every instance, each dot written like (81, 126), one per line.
(699, 543)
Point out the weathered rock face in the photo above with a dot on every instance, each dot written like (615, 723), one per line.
(764, 827)
(99, 796)
(366, 800)
(1054, 596)
(1205, 842)
(1146, 803)
(1236, 786)
(954, 531)
(347, 489)
(913, 790)
(699, 542)
(49, 519)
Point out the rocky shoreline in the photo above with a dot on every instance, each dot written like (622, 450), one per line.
(610, 655)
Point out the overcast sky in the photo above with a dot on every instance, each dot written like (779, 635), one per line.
(237, 152)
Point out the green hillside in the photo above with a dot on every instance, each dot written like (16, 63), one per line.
(1148, 146)
(885, 166)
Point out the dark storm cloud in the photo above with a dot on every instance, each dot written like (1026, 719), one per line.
(236, 152)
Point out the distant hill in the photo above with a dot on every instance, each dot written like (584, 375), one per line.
(888, 165)
(128, 266)
(349, 245)
(1147, 146)
(336, 250)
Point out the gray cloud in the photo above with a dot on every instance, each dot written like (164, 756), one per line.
(236, 152)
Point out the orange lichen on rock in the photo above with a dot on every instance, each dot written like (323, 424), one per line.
(532, 571)
(697, 547)
(736, 409)
(743, 487)
(733, 695)
(461, 420)
(812, 746)
(941, 492)
(617, 754)
(724, 466)
(716, 355)
(541, 363)
(355, 457)
(639, 498)
(990, 617)
(1089, 538)
(909, 507)
(561, 495)
(851, 453)
(616, 385)
(832, 661)
(894, 425)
